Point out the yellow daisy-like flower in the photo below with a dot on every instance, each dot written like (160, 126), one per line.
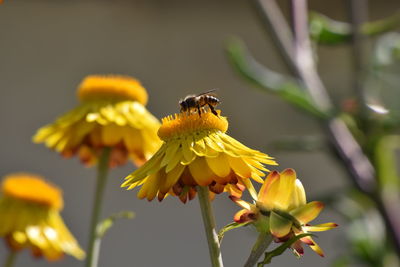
(196, 151)
(30, 218)
(282, 200)
(112, 114)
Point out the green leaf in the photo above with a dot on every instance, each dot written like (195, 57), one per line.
(107, 223)
(229, 227)
(279, 250)
(325, 30)
(269, 81)
(328, 31)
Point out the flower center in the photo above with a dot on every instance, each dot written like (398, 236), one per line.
(32, 188)
(114, 87)
(182, 124)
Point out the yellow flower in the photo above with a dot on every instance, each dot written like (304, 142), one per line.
(111, 114)
(30, 218)
(196, 151)
(281, 206)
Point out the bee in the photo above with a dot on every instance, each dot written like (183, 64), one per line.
(199, 101)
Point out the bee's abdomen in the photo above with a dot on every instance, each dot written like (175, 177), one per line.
(212, 100)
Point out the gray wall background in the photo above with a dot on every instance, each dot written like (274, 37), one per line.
(175, 48)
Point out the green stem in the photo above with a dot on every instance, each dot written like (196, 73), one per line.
(94, 241)
(261, 245)
(209, 225)
(10, 260)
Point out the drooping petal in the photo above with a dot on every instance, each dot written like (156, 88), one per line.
(317, 248)
(239, 167)
(308, 212)
(188, 155)
(172, 177)
(201, 172)
(219, 165)
(170, 152)
(298, 248)
(233, 190)
(247, 183)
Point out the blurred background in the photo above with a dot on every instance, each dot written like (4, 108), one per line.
(175, 48)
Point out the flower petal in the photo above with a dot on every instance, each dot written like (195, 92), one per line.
(287, 184)
(219, 165)
(243, 216)
(308, 212)
(111, 134)
(319, 227)
(298, 248)
(263, 193)
(172, 177)
(298, 197)
(241, 202)
(170, 152)
(269, 191)
(317, 248)
(201, 172)
(239, 167)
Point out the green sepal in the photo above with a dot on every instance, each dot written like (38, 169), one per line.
(262, 224)
(229, 227)
(107, 223)
(279, 250)
(280, 225)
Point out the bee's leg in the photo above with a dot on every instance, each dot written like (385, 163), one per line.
(199, 110)
(213, 110)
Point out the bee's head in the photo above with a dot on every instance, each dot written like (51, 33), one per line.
(183, 104)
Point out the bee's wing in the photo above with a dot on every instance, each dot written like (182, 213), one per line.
(208, 92)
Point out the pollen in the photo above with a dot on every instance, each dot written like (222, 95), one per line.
(118, 87)
(182, 124)
(33, 189)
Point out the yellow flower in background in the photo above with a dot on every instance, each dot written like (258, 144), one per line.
(30, 218)
(111, 114)
(196, 151)
(282, 200)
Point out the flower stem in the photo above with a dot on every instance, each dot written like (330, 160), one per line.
(94, 241)
(209, 225)
(261, 245)
(10, 260)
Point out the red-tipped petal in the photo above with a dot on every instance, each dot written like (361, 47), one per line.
(234, 190)
(308, 212)
(271, 178)
(307, 240)
(317, 249)
(298, 248)
(243, 216)
(319, 227)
